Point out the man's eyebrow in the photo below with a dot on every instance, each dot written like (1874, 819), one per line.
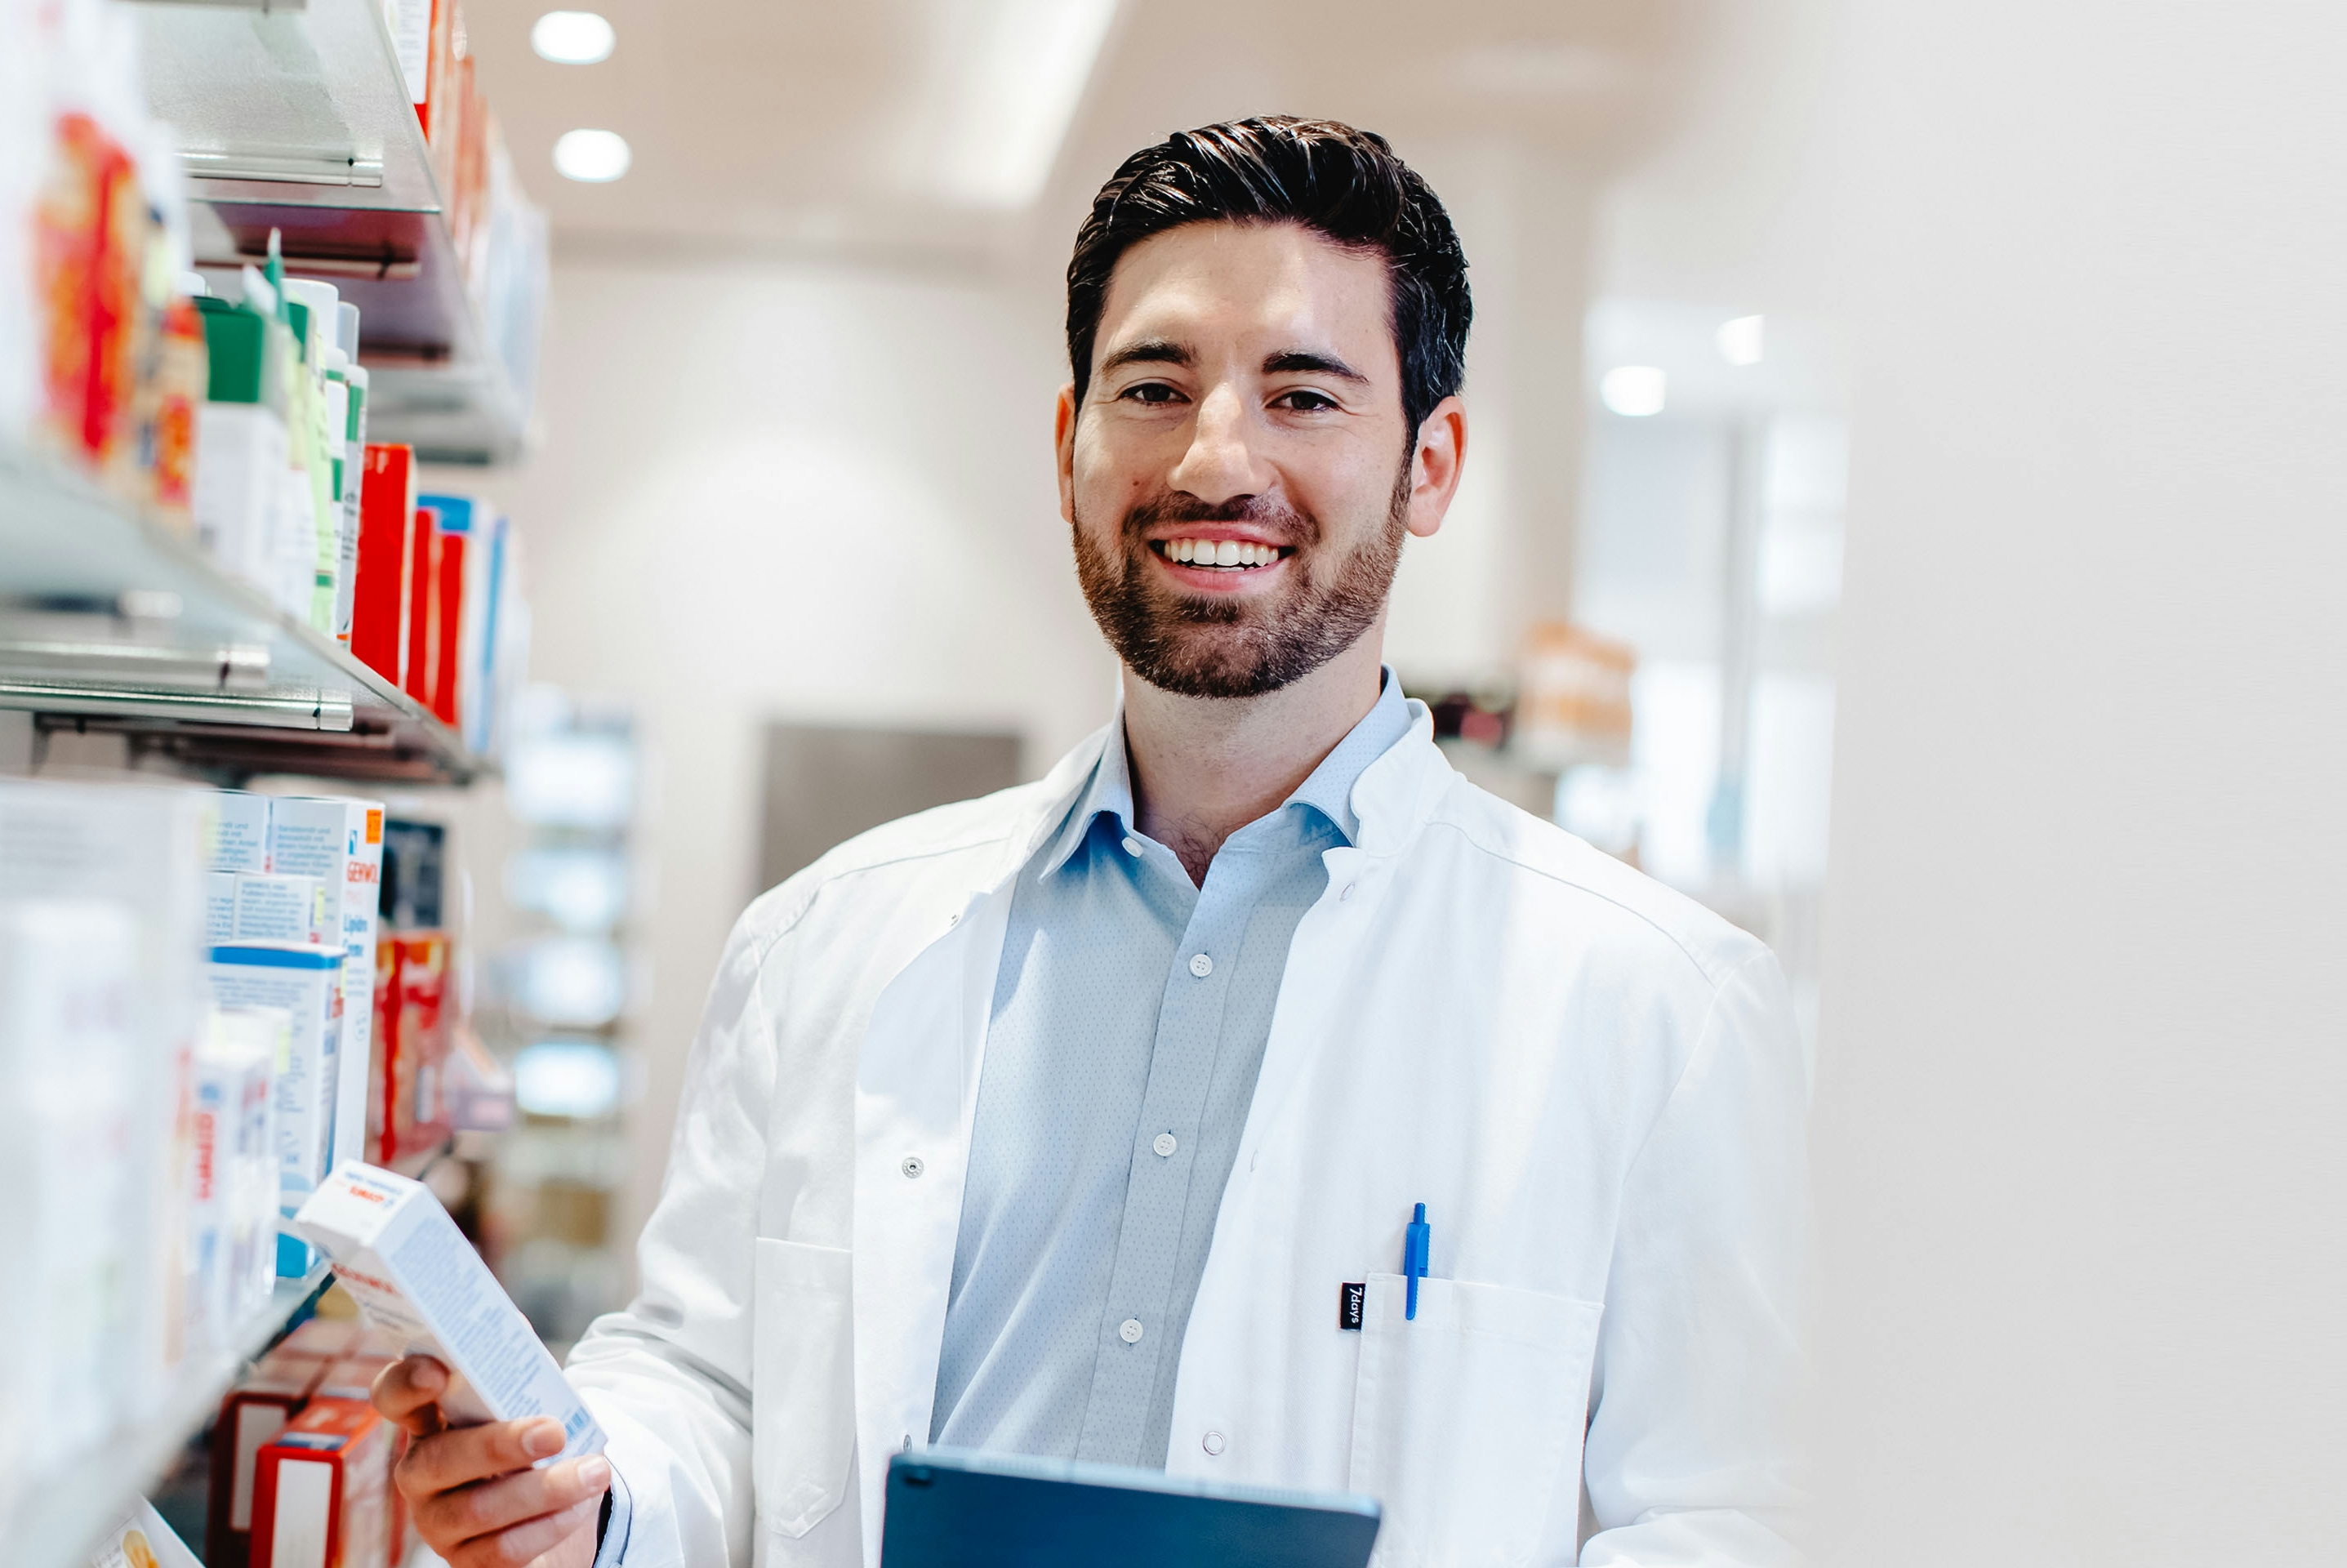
(1148, 351)
(1304, 361)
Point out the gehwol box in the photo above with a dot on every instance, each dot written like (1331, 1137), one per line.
(416, 1277)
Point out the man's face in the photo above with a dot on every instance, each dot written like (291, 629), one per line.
(1239, 479)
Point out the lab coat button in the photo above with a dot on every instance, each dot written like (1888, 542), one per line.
(1165, 1145)
(1130, 1330)
(1131, 845)
(1212, 1442)
(912, 1167)
(1200, 965)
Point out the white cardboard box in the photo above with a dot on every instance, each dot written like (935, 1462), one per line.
(241, 842)
(416, 1277)
(270, 907)
(340, 842)
(302, 980)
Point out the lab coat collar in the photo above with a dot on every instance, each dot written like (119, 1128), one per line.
(1106, 782)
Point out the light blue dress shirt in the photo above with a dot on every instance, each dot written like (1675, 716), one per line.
(1128, 1026)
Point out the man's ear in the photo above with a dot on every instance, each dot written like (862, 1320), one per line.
(1063, 437)
(1435, 465)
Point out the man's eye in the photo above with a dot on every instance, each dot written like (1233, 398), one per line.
(1306, 400)
(1151, 392)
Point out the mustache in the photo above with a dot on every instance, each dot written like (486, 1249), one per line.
(1289, 525)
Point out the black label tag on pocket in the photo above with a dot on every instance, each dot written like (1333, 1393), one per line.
(1351, 1301)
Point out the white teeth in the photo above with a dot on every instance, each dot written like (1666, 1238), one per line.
(1223, 552)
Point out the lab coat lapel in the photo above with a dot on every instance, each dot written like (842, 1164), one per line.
(1232, 1374)
(915, 1096)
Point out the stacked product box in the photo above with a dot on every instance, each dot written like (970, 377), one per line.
(325, 1366)
(291, 908)
(102, 1008)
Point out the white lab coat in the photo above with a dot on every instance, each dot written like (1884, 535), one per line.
(1593, 1084)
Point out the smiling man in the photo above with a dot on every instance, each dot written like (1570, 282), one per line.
(1251, 1098)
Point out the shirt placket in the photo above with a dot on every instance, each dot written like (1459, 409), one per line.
(1134, 1334)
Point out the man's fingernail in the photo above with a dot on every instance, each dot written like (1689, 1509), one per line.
(594, 1473)
(543, 1437)
(429, 1375)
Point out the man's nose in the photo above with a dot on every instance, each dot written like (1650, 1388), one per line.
(1219, 463)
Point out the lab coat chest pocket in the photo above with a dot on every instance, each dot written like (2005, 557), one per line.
(1468, 1420)
(803, 1377)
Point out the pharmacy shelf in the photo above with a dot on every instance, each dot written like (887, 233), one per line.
(57, 1521)
(298, 120)
(111, 622)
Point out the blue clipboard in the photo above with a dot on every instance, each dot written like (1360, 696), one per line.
(954, 1508)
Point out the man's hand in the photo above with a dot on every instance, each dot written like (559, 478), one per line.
(470, 1490)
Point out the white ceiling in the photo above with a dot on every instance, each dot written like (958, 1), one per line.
(920, 129)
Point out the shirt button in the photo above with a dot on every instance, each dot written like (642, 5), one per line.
(912, 1167)
(1165, 1145)
(1345, 892)
(1200, 965)
(1131, 845)
(1130, 1330)
(1212, 1442)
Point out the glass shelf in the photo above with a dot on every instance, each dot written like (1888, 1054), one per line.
(57, 1521)
(299, 120)
(111, 622)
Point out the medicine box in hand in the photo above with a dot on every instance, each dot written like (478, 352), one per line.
(417, 1279)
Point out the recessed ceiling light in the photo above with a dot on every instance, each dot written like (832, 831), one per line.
(1740, 340)
(1633, 389)
(572, 37)
(593, 156)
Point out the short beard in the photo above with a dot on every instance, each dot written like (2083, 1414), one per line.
(1225, 646)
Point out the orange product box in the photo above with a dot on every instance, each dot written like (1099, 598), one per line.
(321, 1490)
(251, 1416)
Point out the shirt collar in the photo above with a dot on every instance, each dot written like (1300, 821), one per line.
(1328, 789)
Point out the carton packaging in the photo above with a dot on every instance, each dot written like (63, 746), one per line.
(269, 907)
(251, 1416)
(240, 835)
(143, 1540)
(413, 1273)
(302, 980)
(137, 847)
(382, 578)
(322, 1489)
(232, 1204)
(340, 843)
(67, 969)
(220, 907)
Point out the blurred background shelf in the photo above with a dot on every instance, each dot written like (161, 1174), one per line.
(299, 120)
(55, 1524)
(111, 622)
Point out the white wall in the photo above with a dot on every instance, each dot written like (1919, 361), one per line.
(788, 492)
(2081, 1081)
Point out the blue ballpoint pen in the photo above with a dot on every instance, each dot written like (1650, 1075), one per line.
(1416, 1242)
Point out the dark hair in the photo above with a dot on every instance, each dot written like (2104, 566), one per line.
(1343, 183)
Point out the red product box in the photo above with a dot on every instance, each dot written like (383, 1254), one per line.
(381, 604)
(447, 625)
(251, 1417)
(321, 1490)
(424, 609)
(411, 1034)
